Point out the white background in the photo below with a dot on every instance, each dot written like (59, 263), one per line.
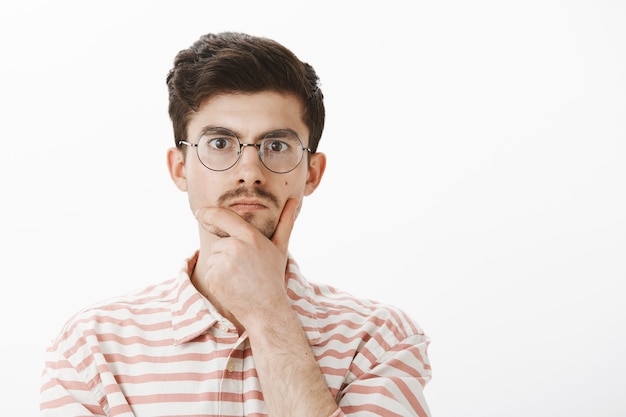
(476, 178)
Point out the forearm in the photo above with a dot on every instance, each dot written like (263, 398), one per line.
(290, 377)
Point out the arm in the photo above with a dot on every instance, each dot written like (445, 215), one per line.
(245, 272)
(291, 379)
(245, 275)
(384, 383)
(391, 384)
(63, 392)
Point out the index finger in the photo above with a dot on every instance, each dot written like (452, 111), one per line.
(285, 224)
(220, 221)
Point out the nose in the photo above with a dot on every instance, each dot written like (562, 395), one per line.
(249, 168)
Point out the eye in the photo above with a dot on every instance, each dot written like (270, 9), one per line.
(220, 143)
(276, 146)
(280, 142)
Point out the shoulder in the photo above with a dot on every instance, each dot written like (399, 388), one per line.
(106, 316)
(339, 311)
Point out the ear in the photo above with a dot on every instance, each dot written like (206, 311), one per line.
(317, 165)
(176, 166)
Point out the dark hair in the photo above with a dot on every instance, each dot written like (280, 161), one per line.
(231, 62)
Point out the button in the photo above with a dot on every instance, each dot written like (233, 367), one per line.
(224, 327)
(230, 367)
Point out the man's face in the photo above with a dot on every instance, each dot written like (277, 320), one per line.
(248, 188)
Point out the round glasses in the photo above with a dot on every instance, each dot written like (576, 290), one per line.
(219, 149)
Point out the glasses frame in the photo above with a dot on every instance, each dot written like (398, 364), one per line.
(244, 145)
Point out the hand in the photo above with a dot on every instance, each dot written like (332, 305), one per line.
(245, 274)
(245, 271)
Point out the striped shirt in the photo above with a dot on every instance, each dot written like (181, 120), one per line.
(166, 351)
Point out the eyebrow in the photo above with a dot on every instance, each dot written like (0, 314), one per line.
(227, 132)
(217, 129)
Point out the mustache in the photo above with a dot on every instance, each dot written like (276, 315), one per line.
(249, 193)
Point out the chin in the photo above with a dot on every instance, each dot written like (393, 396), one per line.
(267, 227)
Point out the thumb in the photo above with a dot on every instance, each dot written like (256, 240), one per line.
(285, 224)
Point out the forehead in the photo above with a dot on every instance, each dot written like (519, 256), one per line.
(250, 114)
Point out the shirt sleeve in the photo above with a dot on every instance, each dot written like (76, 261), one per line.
(63, 392)
(390, 385)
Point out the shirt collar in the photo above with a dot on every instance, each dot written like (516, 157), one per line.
(303, 301)
(193, 314)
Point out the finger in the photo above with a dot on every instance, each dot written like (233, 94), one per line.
(221, 222)
(202, 217)
(285, 224)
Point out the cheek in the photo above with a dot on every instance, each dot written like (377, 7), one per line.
(290, 189)
(202, 189)
(293, 185)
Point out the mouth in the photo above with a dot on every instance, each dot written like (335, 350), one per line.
(246, 206)
(248, 202)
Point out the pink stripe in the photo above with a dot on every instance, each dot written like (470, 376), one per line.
(408, 394)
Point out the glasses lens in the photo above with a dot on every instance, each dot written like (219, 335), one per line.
(218, 149)
(281, 151)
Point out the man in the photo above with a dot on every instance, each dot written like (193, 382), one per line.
(240, 332)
